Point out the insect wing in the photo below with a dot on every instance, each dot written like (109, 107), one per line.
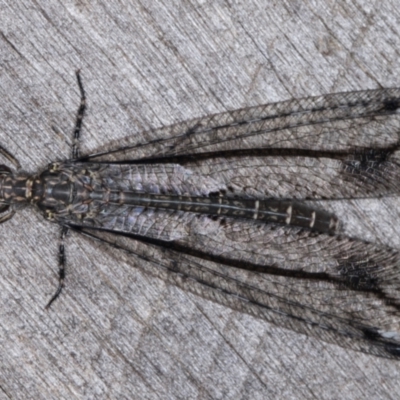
(319, 123)
(343, 145)
(337, 146)
(328, 309)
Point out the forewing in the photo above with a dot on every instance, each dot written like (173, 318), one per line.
(343, 145)
(340, 121)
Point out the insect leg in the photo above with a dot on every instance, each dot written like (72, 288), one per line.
(75, 155)
(10, 157)
(61, 263)
(79, 118)
(8, 214)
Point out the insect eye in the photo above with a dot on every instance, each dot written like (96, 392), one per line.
(4, 208)
(4, 170)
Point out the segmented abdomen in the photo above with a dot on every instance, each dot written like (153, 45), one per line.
(92, 190)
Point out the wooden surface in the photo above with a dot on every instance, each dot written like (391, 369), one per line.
(117, 333)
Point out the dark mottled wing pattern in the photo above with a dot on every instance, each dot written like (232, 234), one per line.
(345, 145)
(352, 304)
(348, 142)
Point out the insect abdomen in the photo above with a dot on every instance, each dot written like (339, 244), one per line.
(283, 212)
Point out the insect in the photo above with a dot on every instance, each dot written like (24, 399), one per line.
(226, 207)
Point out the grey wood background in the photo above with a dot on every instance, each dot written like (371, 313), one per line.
(120, 334)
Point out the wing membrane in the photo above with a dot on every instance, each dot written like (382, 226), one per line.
(336, 288)
(343, 145)
(335, 122)
(327, 309)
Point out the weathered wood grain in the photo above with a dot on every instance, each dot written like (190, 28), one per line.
(115, 332)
